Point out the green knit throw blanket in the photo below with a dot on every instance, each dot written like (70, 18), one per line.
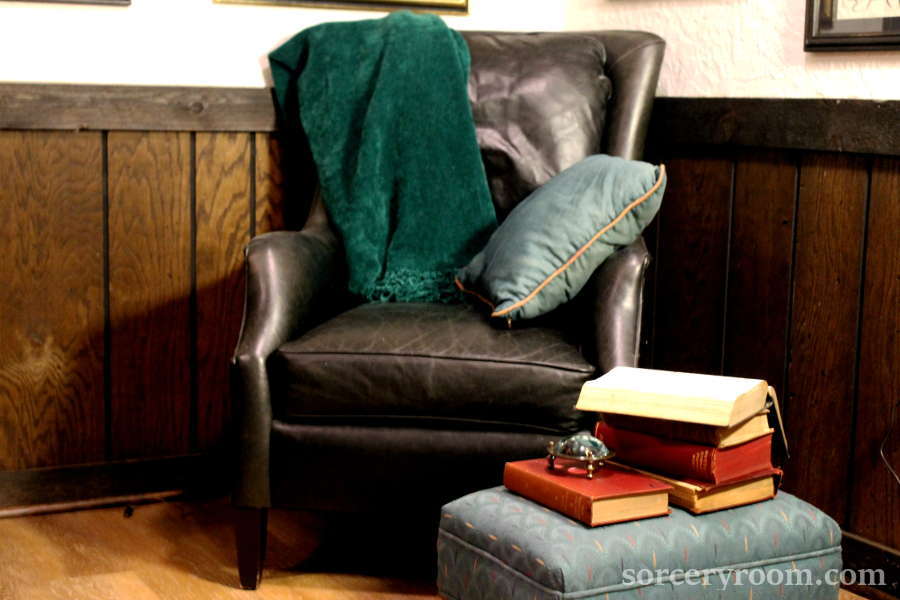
(385, 108)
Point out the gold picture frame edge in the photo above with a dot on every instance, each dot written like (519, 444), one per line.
(446, 7)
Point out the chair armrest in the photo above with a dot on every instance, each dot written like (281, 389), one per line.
(614, 303)
(288, 274)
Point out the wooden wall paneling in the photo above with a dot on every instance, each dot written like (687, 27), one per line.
(224, 221)
(819, 404)
(759, 266)
(149, 292)
(51, 355)
(270, 210)
(691, 266)
(875, 501)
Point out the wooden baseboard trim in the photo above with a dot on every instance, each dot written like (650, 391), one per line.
(130, 499)
(36, 491)
(863, 554)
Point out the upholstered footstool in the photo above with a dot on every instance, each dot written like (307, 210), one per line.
(496, 545)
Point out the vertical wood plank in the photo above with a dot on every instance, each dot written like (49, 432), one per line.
(149, 288)
(270, 209)
(223, 229)
(876, 496)
(759, 270)
(819, 407)
(690, 281)
(51, 355)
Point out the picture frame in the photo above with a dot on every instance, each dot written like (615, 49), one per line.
(438, 6)
(852, 25)
(93, 2)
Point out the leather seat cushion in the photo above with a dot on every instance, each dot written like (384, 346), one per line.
(420, 363)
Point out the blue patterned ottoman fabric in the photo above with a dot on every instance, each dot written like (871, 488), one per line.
(496, 545)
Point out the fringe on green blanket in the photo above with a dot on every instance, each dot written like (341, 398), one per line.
(405, 285)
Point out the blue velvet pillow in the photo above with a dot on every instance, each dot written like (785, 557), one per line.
(549, 245)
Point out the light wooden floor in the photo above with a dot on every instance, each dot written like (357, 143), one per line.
(171, 551)
(175, 551)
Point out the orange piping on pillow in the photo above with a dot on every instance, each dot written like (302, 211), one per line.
(476, 294)
(583, 249)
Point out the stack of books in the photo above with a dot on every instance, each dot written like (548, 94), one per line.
(706, 436)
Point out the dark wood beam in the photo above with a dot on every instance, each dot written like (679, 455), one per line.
(859, 126)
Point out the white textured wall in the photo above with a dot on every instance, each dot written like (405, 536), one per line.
(716, 47)
(189, 42)
(743, 48)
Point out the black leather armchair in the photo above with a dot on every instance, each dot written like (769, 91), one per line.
(340, 404)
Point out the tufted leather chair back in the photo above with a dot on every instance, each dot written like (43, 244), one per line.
(543, 101)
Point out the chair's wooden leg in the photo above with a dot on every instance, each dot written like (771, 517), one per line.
(251, 535)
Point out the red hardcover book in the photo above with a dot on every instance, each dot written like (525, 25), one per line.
(705, 435)
(612, 496)
(686, 459)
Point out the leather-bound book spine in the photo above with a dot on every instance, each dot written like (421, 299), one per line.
(686, 459)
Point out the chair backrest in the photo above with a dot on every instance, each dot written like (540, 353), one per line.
(544, 101)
